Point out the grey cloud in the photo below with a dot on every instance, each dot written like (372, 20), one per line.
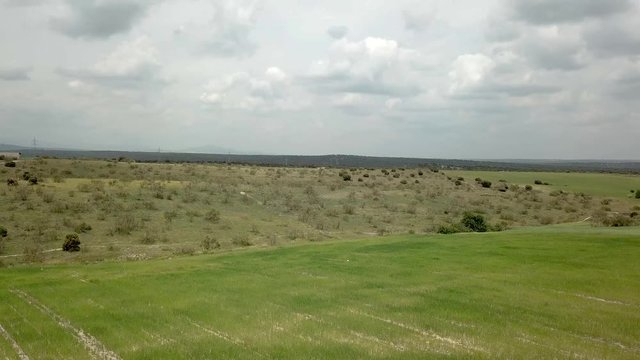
(231, 28)
(612, 39)
(418, 21)
(553, 53)
(94, 19)
(337, 32)
(555, 11)
(501, 30)
(23, 3)
(15, 73)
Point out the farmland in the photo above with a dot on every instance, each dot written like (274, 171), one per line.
(560, 292)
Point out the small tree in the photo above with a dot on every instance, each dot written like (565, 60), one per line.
(474, 222)
(71, 243)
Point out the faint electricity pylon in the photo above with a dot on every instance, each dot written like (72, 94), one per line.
(34, 143)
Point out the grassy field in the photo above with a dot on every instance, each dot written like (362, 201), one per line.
(550, 292)
(607, 185)
(125, 210)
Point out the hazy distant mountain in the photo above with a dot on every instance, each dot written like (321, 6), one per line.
(213, 149)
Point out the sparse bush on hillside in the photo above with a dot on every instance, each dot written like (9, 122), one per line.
(528, 187)
(10, 164)
(474, 222)
(71, 243)
(212, 215)
(637, 194)
(125, 224)
(450, 229)
(485, 183)
(3, 232)
(537, 182)
(26, 176)
(82, 228)
(12, 182)
(209, 243)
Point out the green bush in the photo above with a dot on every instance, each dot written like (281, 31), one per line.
(33, 180)
(474, 222)
(10, 164)
(71, 243)
(485, 183)
(537, 182)
(450, 229)
(3, 232)
(637, 194)
(528, 187)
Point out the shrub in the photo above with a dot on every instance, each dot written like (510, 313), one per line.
(637, 194)
(478, 180)
(3, 232)
(33, 180)
(537, 182)
(528, 187)
(485, 183)
(212, 215)
(450, 229)
(82, 228)
(10, 164)
(346, 177)
(12, 182)
(71, 243)
(458, 182)
(170, 215)
(210, 243)
(125, 224)
(474, 222)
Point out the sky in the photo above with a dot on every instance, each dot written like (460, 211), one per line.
(493, 79)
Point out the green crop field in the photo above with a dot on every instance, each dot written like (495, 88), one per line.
(613, 185)
(552, 292)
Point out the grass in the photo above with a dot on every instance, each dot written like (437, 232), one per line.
(608, 185)
(549, 292)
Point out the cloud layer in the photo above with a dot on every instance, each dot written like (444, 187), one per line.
(497, 79)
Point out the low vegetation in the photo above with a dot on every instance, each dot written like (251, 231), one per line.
(130, 211)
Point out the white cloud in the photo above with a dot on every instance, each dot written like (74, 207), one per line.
(242, 91)
(469, 70)
(132, 63)
(373, 66)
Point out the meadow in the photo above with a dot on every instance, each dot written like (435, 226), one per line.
(599, 184)
(133, 211)
(564, 291)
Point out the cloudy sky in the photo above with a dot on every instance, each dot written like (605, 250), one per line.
(451, 78)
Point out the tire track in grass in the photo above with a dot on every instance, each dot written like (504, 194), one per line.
(96, 349)
(224, 336)
(454, 343)
(14, 344)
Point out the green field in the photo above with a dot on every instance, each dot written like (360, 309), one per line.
(549, 292)
(614, 185)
